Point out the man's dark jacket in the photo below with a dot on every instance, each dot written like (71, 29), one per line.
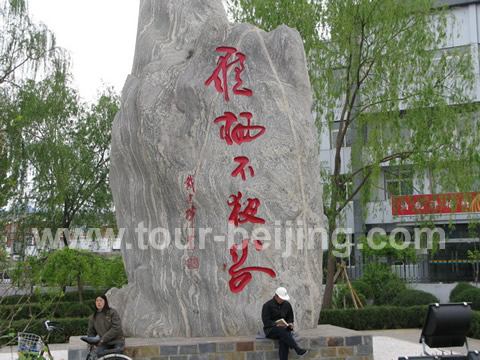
(273, 311)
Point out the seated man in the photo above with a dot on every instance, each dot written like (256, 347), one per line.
(273, 310)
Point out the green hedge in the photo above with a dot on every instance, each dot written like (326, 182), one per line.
(87, 295)
(460, 287)
(71, 326)
(54, 310)
(34, 298)
(387, 317)
(412, 297)
(475, 326)
(45, 297)
(471, 295)
(376, 317)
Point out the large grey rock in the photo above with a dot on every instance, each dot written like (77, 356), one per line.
(165, 132)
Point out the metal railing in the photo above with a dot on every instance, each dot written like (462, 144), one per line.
(426, 269)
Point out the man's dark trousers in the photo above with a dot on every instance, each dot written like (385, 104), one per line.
(286, 340)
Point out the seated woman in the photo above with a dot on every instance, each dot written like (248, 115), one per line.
(105, 322)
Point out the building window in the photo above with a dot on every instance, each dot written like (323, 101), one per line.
(347, 139)
(398, 182)
(347, 188)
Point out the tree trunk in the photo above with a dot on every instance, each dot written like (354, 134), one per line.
(331, 268)
(80, 289)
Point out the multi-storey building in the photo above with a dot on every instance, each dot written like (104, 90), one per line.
(401, 194)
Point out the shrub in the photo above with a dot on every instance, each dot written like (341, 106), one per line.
(87, 295)
(71, 327)
(460, 287)
(33, 298)
(361, 287)
(376, 317)
(343, 297)
(25, 311)
(54, 310)
(43, 297)
(387, 317)
(411, 297)
(389, 291)
(73, 310)
(470, 295)
(379, 276)
(474, 331)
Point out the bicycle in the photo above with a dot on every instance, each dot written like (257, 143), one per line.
(112, 354)
(34, 346)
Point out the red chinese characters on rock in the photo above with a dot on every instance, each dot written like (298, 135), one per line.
(240, 133)
(241, 277)
(189, 183)
(247, 214)
(240, 170)
(193, 263)
(190, 213)
(235, 131)
(220, 81)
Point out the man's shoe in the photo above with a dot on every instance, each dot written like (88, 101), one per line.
(302, 352)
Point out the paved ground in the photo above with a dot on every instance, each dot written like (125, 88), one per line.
(390, 344)
(387, 345)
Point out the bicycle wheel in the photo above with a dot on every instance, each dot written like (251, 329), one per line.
(115, 357)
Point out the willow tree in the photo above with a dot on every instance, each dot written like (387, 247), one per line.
(25, 48)
(67, 147)
(377, 73)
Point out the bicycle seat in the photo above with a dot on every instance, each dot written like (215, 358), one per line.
(92, 340)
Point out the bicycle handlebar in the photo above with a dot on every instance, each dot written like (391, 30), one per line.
(51, 328)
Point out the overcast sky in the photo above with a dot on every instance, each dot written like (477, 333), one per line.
(98, 34)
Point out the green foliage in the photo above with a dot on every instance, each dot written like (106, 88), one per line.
(114, 274)
(24, 48)
(474, 331)
(27, 273)
(468, 295)
(387, 317)
(389, 291)
(460, 287)
(87, 295)
(30, 315)
(70, 159)
(375, 77)
(384, 284)
(343, 297)
(54, 310)
(411, 297)
(388, 247)
(75, 310)
(475, 257)
(376, 317)
(76, 267)
(71, 326)
(30, 298)
(363, 288)
(70, 266)
(22, 306)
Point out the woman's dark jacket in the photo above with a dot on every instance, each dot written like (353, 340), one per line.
(108, 326)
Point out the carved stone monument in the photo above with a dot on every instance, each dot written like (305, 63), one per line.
(215, 175)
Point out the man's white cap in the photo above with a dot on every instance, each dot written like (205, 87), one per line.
(281, 292)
